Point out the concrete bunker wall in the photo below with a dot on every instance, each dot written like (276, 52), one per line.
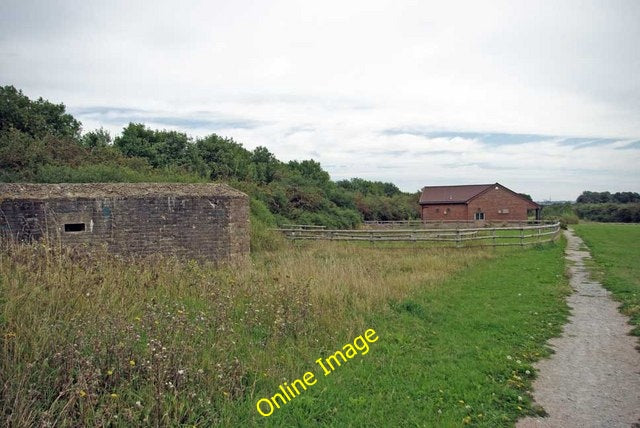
(204, 226)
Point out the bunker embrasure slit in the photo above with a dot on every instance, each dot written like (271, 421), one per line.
(74, 227)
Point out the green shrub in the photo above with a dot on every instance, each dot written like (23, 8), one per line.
(566, 219)
(105, 173)
(622, 213)
(263, 238)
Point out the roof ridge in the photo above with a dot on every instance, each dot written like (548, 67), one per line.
(462, 185)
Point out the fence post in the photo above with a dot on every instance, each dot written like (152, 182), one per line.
(458, 239)
(522, 236)
(493, 236)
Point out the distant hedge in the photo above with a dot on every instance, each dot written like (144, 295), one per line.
(623, 213)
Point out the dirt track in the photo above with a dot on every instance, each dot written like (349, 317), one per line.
(593, 379)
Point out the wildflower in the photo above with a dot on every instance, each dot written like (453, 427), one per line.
(132, 363)
(527, 372)
(114, 395)
(518, 361)
(109, 372)
(226, 394)
(466, 420)
(181, 372)
(461, 401)
(81, 393)
(509, 357)
(519, 398)
(138, 404)
(519, 408)
(138, 319)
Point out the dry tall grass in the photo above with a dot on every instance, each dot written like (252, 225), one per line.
(94, 339)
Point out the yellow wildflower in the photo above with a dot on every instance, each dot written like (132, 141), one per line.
(81, 393)
(466, 420)
(113, 395)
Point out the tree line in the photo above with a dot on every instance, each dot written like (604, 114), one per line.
(588, 197)
(619, 207)
(41, 142)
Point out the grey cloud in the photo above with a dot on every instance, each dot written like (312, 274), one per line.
(202, 120)
(495, 138)
(635, 145)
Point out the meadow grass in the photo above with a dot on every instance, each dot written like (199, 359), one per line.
(616, 252)
(454, 354)
(94, 340)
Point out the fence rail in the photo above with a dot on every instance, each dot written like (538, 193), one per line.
(478, 236)
(388, 224)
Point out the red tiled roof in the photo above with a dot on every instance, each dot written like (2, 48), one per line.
(460, 194)
(451, 194)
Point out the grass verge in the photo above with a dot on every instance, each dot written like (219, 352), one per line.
(459, 353)
(616, 254)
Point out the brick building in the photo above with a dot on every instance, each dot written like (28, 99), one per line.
(203, 221)
(480, 202)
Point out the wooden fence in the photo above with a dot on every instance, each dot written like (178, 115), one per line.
(459, 237)
(447, 224)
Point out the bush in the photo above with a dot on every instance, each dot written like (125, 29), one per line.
(623, 213)
(105, 173)
(566, 219)
(263, 238)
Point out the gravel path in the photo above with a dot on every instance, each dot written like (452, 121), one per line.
(593, 379)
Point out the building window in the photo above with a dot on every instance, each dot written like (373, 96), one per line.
(479, 216)
(74, 227)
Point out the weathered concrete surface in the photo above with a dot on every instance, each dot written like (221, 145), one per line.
(593, 379)
(201, 220)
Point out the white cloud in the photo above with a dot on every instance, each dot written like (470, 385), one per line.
(325, 79)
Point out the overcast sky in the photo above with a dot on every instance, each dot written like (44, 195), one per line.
(543, 97)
